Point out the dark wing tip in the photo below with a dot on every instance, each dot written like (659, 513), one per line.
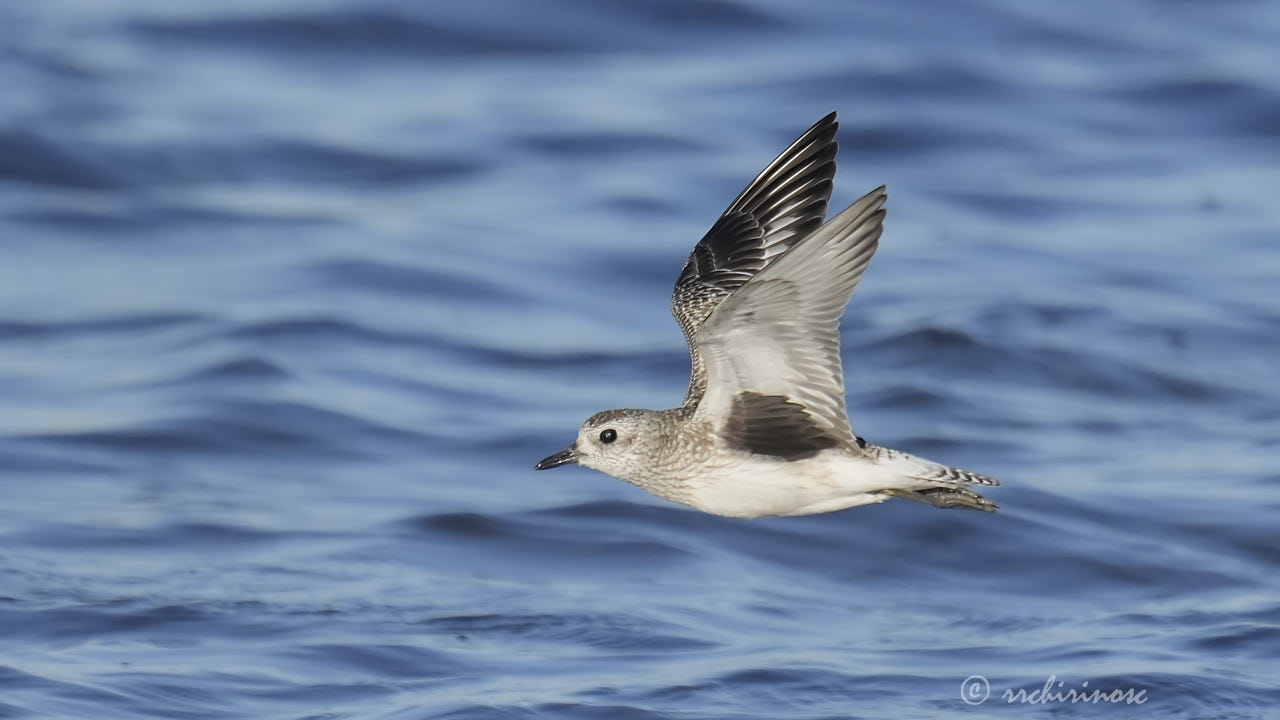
(820, 134)
(828, 119)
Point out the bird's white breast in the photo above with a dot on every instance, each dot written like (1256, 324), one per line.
(741, 485)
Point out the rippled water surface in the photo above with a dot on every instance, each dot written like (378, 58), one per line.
(293, 295)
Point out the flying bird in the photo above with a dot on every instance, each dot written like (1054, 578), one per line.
(763, 429)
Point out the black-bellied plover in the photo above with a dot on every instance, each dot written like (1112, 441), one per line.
(763, 429)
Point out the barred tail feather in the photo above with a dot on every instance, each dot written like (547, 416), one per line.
(956, 476)
(932, 483)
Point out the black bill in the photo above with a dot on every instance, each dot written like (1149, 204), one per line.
(564, 457)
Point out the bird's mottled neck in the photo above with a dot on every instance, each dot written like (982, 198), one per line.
(675, 451)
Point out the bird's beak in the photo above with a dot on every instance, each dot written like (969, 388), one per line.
(564, 457)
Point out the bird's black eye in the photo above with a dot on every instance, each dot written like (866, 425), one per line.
(608, 436)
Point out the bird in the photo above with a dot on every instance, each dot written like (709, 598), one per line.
(763, 429)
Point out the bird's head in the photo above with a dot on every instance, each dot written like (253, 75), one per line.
(614, 442)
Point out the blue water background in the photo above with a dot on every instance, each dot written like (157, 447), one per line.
(293, 295)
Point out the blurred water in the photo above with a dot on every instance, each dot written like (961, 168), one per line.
(293, 294)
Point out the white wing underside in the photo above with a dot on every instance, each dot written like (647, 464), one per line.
(779, 334)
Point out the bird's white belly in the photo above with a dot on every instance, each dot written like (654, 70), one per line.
(747, 486)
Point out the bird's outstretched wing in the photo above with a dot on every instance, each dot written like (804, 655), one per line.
(772, 348)
(785, 202)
